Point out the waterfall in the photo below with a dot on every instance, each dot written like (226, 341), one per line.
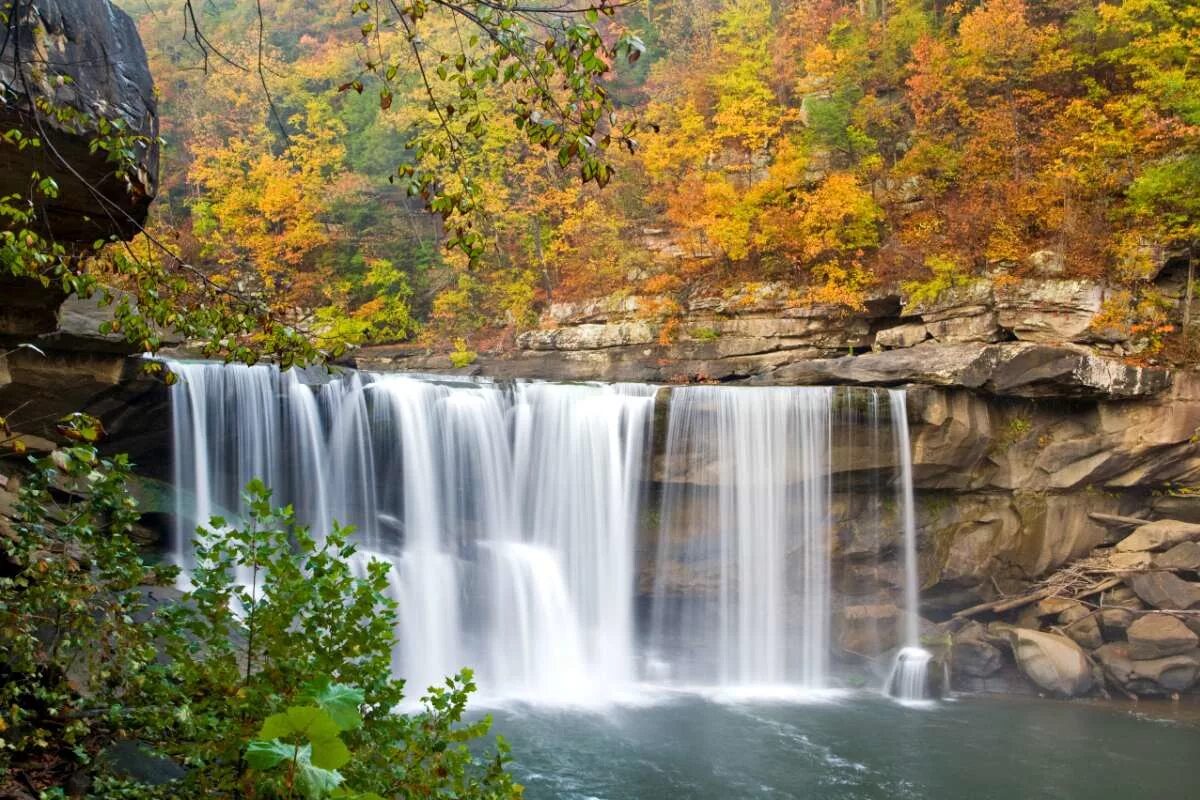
(532, 531)
(908, 677)
(749, 483)
(507, 515)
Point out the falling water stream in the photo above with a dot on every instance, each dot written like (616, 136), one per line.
(677, 561)
(532, 532)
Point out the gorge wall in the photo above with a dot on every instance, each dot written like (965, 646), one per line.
(1028, 416)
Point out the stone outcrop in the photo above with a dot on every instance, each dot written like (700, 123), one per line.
(1158, 636)
(1160, 535)
(1138, 623)
(1054, 663)
(85, 59)
(1032, 338)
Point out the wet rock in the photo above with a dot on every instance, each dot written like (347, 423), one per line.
(973, 654)
(1161, 676)
(869, 630)
(1053, 662)
(1165, 590)
(1162, 534)
(1185, 555)
(1158, 636)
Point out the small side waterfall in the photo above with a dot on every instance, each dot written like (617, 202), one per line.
(909, 676)
(534, 533)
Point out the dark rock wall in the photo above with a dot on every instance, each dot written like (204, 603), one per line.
(84, 58)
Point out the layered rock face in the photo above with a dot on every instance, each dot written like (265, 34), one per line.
(1032, 338)
(75, 68)
(1029, 426)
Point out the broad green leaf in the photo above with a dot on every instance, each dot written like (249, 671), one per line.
(342, 703)
(314, 782)
(276, 726)
(330, 753)
(267, 754)
(308, 721)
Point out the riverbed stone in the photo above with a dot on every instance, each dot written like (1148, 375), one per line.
(1165, 590)
(1185, 556)
(1053, 662)
(973, 653)
(1160, 676)
(1162, 534)
(1159, 636)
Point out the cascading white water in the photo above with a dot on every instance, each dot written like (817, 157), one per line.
(507, 514)
(908, 678)
(510, 516)
(759, 519)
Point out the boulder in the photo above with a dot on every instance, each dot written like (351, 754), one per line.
(1081, 624)
(1049, 310)
(1114, 622)
(1158, 636)
(1160, 676)
(1053, 662)
(136, 762)
(1185, 555)
(902, 335)
(85, 59)
(1047, 263)
(1162, 534)
(973, 654)
(1165, 590)
(1121, 596)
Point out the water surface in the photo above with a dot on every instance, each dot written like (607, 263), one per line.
(857, 747)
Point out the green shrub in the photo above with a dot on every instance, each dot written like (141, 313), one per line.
(204, 680)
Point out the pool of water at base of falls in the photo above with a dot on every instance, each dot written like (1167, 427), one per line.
(855, 746)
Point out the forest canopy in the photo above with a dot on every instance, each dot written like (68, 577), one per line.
(830, 145)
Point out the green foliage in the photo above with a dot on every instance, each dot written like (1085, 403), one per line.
(946, 275)
(271, 674)
(462, 356)
(70, 596)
